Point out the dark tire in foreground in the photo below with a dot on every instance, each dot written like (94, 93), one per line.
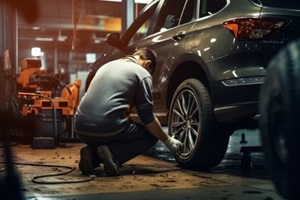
(280, 118)
(191, 121)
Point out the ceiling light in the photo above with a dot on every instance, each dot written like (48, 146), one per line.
(62, 38)
(44, 39)
(36, 28)
(36, 51)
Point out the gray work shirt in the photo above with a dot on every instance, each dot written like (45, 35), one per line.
(116, 88)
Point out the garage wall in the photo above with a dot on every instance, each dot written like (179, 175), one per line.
(7, 47)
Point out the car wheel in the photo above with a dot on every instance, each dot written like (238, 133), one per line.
(279, 108)
(191, 121)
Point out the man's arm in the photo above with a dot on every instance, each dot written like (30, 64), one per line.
(144, 109)
(156, 130)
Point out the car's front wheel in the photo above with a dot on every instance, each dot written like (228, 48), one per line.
(191, 121)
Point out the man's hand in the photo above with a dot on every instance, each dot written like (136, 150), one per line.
(173, 144)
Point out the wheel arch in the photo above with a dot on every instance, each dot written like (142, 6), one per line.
(186, 69)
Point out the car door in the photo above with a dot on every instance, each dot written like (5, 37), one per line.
(167, 32)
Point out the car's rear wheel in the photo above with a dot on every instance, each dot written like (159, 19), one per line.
(279, 124)
(191, 121)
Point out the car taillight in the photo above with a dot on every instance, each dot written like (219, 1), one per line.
(255, 28)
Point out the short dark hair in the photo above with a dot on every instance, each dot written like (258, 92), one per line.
(147, 54)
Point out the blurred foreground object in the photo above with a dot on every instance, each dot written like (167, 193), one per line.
(280, 115)
(10, 184)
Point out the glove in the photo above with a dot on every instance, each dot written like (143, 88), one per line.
(173, 145)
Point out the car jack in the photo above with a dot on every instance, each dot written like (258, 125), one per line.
(246, 162)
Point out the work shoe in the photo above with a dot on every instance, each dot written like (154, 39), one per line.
(111, 168)
(86, 161)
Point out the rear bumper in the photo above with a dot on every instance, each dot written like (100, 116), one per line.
(237, 99)
(236, 113)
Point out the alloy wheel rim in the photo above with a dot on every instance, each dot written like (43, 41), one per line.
(185, 121)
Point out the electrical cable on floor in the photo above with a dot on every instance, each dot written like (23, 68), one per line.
(36, 178)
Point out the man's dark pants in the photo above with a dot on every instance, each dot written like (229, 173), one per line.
(134, 140)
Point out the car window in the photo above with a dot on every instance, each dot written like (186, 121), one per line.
(209, 7)
(188, 12)
(141, 32)
(169, 15)
(290, 4)
(140, 28)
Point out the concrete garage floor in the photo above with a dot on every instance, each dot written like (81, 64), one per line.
(154, 175)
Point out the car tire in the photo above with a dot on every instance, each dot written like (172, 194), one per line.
(191, 121)
(280, 109)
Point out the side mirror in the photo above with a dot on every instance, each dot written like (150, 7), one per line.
(113, 39)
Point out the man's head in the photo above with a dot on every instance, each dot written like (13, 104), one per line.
(146, 58)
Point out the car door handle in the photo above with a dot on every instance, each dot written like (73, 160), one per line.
(178, 36)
